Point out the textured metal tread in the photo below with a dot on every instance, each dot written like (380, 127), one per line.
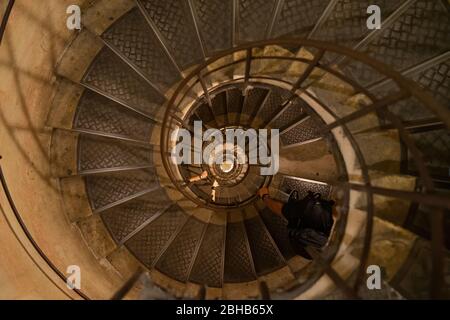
(253, 101)
(174, 21)
(289, 184)
(110, 75)
(105, 190)
(347, 25)
(177, 259)
(435, 80)
(148, 244)
(277, 227)
(298, 17)
(253, 178)
(208, 266)
(97, 153)
(215, 20)
(238, 263)
(306, 130)
(123, 220)
(235, 101)
(273, 104)
(265, 254)
(134, 38)
(435, 146)
(205, 113)
(254, 17)
(421, 33)
(98, 114)
(292, 114)
(219, 104)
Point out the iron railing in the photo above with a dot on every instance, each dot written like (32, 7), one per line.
(406, 89)
(243, 59)
(33, 242)
(18, 217)
(5, 18)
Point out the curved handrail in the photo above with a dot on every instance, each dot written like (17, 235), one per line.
(30, 238)
(5, 19)
(4, 185)
(407, 89)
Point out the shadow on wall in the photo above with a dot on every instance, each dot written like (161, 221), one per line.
(20, 79)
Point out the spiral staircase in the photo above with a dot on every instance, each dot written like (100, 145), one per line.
(363, 119)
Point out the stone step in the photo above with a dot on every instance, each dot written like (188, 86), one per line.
(133, 38)
(238, 259)
(267, 258)
(179, 257)
(208, 268)
(150, 243)
(313, 161)
(110, 189)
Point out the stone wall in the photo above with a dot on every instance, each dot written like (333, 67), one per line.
(35, 38)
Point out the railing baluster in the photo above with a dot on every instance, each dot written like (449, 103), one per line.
(382, 103)
(313, 64)
(407, 89)
(205, 89)
(248, 66)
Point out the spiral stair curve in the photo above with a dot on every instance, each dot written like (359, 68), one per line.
(362, 116)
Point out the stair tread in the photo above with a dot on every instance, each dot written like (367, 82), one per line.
(205, 113)
(148, 244)
(399, 49)
(177, 259)
(109, 74)
(298, 17)
(254, 19)
(289, 184)
(347, 24)
(272, 105)
(277, 226)
(235, 102)
(175, 23)
(219, 108)
(265, 254)
(292, 114)
(215, 21)
(99, 114)
(126, 218)
(306, 130)
(107, 189)
(238, 263)
(133, 37)
(254, 99)
(436, 80)
(96, 153)
(208, 267)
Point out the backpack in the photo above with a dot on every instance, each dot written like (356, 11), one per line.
(313, 221)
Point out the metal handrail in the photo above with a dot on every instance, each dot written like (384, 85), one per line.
(5, 19)
(407, 89)
(30, 238)
(7, 193)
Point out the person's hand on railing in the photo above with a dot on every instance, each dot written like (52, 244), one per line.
(263, 192)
